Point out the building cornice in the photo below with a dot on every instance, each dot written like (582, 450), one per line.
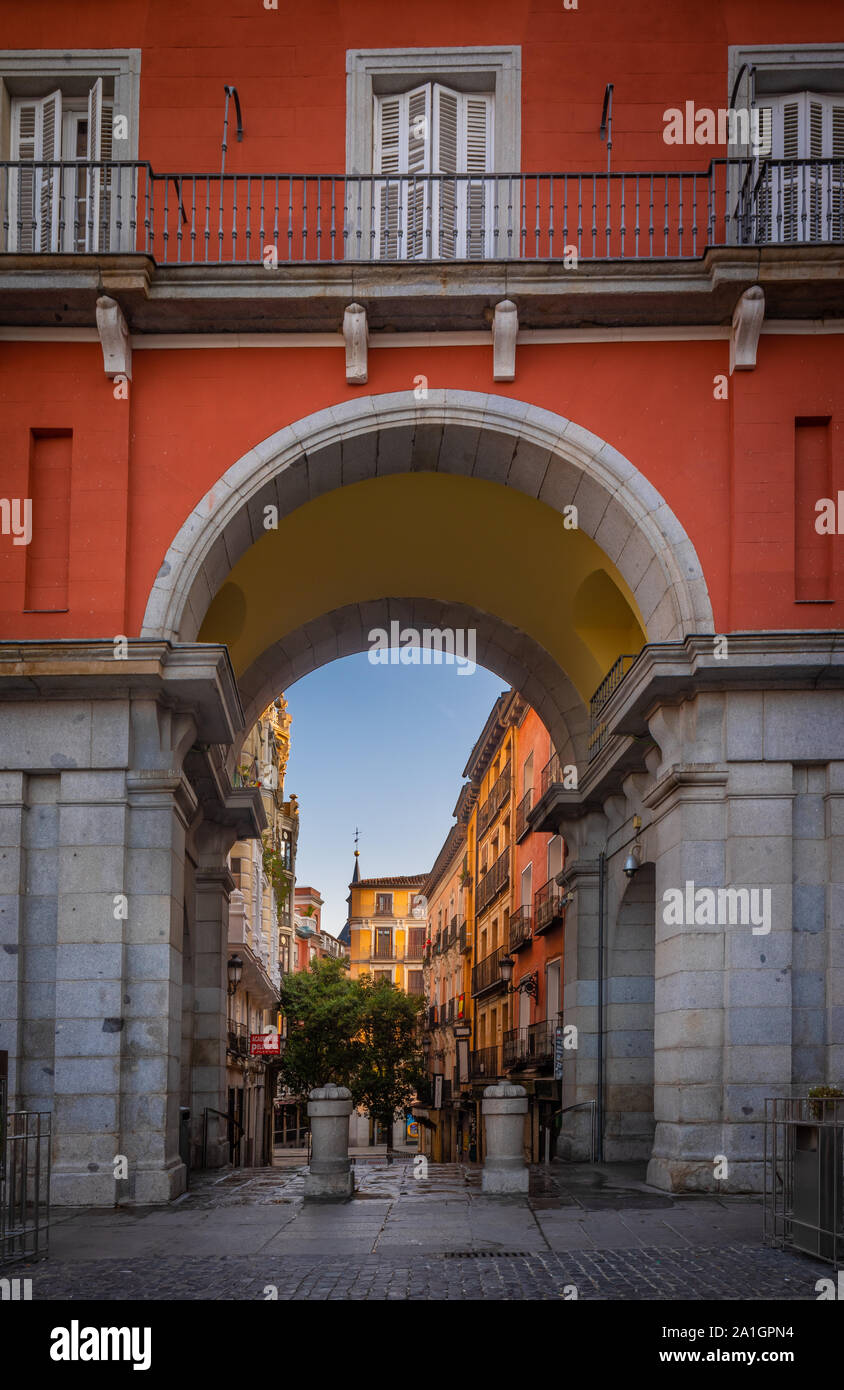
(418, 297)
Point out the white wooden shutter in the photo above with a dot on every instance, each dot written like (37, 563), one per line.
(462, 144)
(49, 180)
(37, 135)
(799, 201)
(402, 144)
(93, 152)
(24, 221)
(98, 189)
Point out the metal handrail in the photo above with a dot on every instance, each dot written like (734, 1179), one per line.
(272, 218)
(230, 1120)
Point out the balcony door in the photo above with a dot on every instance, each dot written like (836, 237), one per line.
(65, 208)
(797, 199)
(422, 139)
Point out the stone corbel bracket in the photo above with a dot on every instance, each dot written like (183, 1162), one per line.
(356, 338)
(505, 328)
(114, 338)
(747, 325)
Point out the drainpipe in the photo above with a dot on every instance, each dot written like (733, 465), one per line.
(602, 873)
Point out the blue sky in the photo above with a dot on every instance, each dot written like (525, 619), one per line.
(382, 748)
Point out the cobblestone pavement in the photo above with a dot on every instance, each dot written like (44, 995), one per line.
(582, 1232)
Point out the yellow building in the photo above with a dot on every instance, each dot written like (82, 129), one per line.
(386, 932)
(386, 935)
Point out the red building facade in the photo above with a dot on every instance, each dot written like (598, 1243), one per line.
(610, 397)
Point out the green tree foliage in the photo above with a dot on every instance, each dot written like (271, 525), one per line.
(389, 1065)
(323, 1011)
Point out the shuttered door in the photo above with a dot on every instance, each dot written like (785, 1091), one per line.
(402, 153)
(35, 192)
(462, 144)
(799, 200)
(432, 130)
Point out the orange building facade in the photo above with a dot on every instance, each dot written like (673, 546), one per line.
(272, 280)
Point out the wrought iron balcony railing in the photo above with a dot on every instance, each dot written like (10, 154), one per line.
(415, 943)
(485, 1063)
(520, 928)
(486, 975)
(529, 1047)
(90, 207)
(496, 799)
(552, 772)
(491, 883)
(464, 939)
(547, 906)
(523, 810)
(612, 680)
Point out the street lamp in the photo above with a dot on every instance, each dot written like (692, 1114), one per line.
(234, 970)
(528, 984)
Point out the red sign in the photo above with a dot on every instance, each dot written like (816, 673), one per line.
(264, 1044)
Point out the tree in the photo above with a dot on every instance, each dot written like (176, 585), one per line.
(389, 1065)
(323, 1011)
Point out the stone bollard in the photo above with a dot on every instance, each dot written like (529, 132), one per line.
(329, 1177)
(504, 1109)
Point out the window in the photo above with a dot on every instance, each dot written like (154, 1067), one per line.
(63, 106)
(432, 130)
(415, 982)
(384, 904)
(527, 775)
(56, 209)
(799, 201)
(527, 886)
(552, 991)
(796, 93)
(383, 943)
(555, 856)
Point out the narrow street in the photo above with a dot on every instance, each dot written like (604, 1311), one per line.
(249, 1235)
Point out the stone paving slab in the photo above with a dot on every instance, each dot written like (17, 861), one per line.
(404, 1237)
(732, 1273)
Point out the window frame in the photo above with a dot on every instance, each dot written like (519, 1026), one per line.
(53, 65)
(367, 69)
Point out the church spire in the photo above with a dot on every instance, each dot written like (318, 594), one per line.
(356, 874)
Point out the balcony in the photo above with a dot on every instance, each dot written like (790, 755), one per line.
(198, 218)
(464, 939)
(552, 772)
(453, 932)
(415, 947)
(530, 1048)
(429, 1017)
(523, 810)
(486, 975)
(521, 933)
(599, 733)
(491, 883)
(547, 907)
(238, 1039)
(496, 799)
(485, 1064)
(384, 950)
(192, 251)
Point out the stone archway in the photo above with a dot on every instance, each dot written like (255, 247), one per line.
(534, 451)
